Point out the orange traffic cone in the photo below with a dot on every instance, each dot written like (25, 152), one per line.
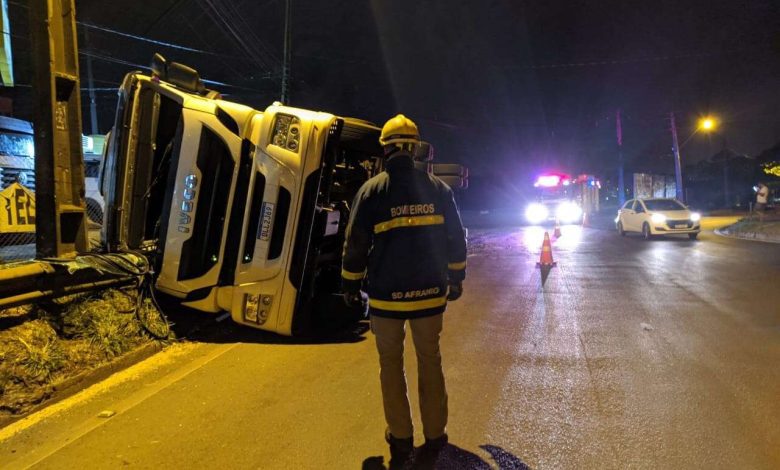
(546, 259)
(557, 231)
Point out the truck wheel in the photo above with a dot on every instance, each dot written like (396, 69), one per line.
(361, 136)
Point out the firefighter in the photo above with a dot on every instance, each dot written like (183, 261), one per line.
(405, 244)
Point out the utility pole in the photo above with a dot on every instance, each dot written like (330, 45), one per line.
(621, 182)
(287, 52)
(60, 222)
(677, 165)
(726, 195)
(91, 85)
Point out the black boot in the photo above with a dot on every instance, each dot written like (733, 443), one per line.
(428, 453)
(401, 451)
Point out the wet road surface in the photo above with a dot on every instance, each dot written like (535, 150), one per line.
(633, 354)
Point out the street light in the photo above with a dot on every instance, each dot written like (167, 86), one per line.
(706, 124)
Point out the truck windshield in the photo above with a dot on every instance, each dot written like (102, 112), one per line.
(553, 193)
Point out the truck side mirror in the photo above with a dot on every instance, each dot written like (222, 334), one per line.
(159, 66)
(185, 78)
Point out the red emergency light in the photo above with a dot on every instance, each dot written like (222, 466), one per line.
(550, 181)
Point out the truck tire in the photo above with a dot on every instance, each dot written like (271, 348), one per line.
(361, 135)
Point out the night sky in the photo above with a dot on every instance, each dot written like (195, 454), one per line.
(505, 87)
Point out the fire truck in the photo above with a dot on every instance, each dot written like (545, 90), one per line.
(237, 209)
(563, 199)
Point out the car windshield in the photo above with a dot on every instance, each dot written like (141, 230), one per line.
(663, 205)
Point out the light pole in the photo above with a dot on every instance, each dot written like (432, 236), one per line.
(706, 124)
(677, 166)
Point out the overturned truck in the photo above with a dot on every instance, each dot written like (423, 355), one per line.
(236, 209)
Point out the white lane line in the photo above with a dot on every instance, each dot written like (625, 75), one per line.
(78, 431)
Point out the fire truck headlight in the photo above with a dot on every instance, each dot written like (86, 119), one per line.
(536, 213)
(568, 212)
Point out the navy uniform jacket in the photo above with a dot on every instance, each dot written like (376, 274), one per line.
(405, 240)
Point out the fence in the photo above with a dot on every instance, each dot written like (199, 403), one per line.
(17, 220)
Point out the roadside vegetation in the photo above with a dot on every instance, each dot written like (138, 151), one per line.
(43, 345)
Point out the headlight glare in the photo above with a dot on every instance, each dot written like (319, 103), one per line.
(568, 212)
(695, 217)
(658, 218)
(536, 213)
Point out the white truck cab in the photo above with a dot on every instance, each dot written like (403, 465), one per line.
(238, 209)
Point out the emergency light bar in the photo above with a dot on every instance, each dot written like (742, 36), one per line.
(550, 181)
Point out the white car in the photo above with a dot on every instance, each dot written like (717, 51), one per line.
(657, 216)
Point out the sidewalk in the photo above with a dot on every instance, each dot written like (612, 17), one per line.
(753, 229)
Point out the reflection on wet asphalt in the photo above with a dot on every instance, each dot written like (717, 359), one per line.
(633, 353)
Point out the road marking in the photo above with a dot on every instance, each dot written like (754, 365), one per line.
(90, 424)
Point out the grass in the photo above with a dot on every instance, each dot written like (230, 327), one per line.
(66, 337)
(41, 354)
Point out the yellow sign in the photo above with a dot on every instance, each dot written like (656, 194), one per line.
(17, 209)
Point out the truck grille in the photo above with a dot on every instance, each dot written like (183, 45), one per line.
(202, 250)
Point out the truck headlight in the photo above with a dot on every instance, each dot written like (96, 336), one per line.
(536, 213)
(568, 212)
(251, 303)
(658, 218)
(695, 217)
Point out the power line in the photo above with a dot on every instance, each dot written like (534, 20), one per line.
(171, 45)
(151, 41)
(27, 85)
(235, 25)
(115, 60)
(146, 67)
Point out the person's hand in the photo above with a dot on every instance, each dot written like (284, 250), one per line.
(353, 299)
(455, 291)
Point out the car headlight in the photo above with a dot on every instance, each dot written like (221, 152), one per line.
(536, 213)
(695, 217)
(568, 212)
(658, 218)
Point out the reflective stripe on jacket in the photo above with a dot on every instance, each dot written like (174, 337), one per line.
(405, 242)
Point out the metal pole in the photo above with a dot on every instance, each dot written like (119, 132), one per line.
(91, 84)
(677, 165)
(60, 222)
(726, 195)
(287, 55)
(621, 183)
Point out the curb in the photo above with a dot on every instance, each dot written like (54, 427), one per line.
(73, 385)
(749, 236)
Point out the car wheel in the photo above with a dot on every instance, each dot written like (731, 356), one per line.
(646, 231)
(693, 236)
(620, 230)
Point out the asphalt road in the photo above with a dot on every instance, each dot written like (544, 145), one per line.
(633, 354)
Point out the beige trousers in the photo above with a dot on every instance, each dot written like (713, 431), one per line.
(390, 335)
